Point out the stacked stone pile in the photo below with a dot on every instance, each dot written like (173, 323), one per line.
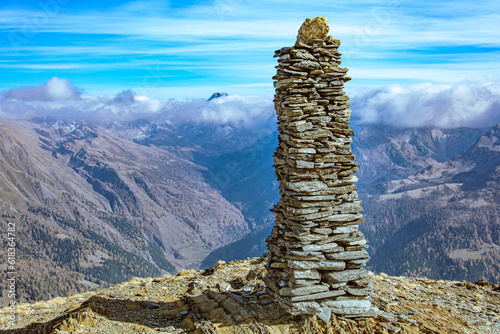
(317, 254)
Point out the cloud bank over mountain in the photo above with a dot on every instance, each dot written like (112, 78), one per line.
(58, 98)
(54, 89)
(464, 104)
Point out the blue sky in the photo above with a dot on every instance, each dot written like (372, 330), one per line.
(176, 49)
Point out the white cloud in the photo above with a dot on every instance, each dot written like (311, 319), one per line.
(54, 89)
(465, 104)
(57, 98)
(248, 111)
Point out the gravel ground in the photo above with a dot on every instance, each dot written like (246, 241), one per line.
(230, 298)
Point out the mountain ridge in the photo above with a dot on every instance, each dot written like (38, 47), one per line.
(88, 191)
(441, 215)
(391, 169)
(162, 196)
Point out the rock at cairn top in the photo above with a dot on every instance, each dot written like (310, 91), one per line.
(316, 28)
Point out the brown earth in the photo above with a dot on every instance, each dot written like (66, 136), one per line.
(230, 298)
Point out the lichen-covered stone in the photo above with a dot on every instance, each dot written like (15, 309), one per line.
(316, 28)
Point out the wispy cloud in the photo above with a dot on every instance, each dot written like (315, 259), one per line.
(220, 40)
(47, 66)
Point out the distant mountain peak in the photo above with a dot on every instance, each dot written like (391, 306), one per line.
(217, 95)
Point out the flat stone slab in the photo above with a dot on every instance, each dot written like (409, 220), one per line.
(345, 229)
(353, 255)
(344, 276)
(320, 265)
(348, 306)
(304, 274)
(317, 296)
(305, 290)
(323, 247)
(307, 186)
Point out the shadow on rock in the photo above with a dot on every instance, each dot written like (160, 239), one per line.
(199, 313)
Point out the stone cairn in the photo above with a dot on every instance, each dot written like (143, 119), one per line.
(317, 255)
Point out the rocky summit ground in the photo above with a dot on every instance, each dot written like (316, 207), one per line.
(230, 298)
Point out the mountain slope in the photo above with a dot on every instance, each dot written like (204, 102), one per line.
(98, 203)
(98, 209)
(404, 230)
(387, 153)
(443, 221)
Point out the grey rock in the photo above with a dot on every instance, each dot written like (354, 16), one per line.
(323, 230)
(301, 150)
(348, 306)
(321, 265)
(353, 255)
(304, 274)
(307, 186)
(303, 164)
(150, 305)
(392, 328)
(324, 313)
(306, 290)
(344, 217)
(296, 255)
(316, 296)
(345, 276)
(360, 291)
(345, 229)
(316, 247)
